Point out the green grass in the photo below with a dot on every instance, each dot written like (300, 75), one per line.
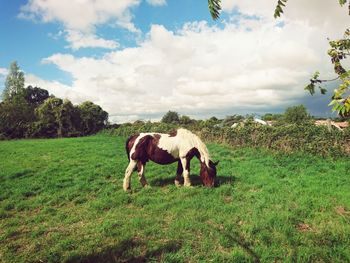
(62, 200)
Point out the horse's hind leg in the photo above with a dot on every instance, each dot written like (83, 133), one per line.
(178, 173)
(128, 172)
(141, 173)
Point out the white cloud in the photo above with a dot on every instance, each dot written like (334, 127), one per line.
(82, 17)
(325, 14)
(201, 68)
(3, 74)
(156, 2)
(58, 89)
(3, 71)
(123, 119)
(254, 64)
(79, 40)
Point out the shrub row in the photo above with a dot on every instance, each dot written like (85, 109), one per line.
(287, 138)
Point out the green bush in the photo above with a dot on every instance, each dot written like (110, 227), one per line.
(286, 138)
(296, 114)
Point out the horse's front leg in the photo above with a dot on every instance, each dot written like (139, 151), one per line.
(186, 171)
(128, 172)
(141, 173)
(178, 173)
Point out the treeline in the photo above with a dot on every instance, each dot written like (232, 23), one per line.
(32, 112)
(293, 115)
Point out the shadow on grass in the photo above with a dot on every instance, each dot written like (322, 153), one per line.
(128, 251)
(236, 238)
(195, 180)
(163, 181)
(26, 172)
(225, 179)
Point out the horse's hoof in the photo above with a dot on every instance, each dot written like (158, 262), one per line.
(127, 189)
(177, 183)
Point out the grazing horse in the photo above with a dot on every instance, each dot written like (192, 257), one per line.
(178, 146)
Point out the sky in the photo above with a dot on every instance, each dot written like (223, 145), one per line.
(138, 59)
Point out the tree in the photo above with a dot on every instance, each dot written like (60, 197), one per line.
(93, 117)
(14, 83)
(69, 120)
(49, 118)
(35, 95)
(211, 122)
(185, 120)
(57, 118)
(32, 112)
(171, 117)
(138, 122)
(16, 115)
(339, 50)
(272, 117)
(296, 114)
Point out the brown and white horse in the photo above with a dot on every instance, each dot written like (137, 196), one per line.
(162, 148)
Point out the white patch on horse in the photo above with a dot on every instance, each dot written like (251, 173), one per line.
(137, 141)
(178, 146)
(169, 144)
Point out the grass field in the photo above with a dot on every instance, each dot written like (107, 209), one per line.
(62, 200)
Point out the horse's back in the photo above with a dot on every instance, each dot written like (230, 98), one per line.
(152, 146)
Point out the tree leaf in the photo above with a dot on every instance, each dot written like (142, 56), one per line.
(214, 8)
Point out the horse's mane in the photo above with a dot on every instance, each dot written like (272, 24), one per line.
(195, 141)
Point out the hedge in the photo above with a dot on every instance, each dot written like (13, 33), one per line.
(287, 138)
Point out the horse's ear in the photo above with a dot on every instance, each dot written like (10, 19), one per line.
(216, 163)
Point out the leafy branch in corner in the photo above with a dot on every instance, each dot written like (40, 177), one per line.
(214, 8)
(338, 52)
(279, 8)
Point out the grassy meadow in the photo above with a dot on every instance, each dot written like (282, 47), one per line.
(61, 200)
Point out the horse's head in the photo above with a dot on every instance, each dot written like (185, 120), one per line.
(208, 173)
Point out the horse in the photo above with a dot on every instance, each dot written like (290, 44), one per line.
(178, 146)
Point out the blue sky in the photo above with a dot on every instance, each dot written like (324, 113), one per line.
(32, 40)
(29, 41)
(141, 58)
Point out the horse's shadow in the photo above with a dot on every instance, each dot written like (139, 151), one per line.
(124, 252)
(195, 180)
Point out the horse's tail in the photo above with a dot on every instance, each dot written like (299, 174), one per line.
(127, 147)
